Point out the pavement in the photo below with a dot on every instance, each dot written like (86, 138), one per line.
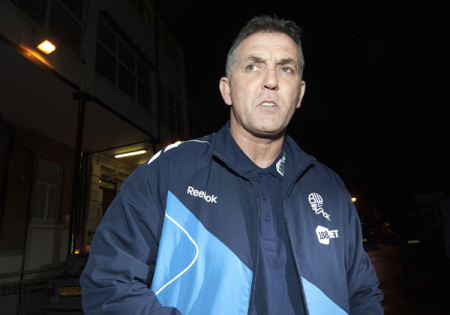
(414, 280)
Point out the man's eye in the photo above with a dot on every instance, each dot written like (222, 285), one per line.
(252, 67)
(287, 69)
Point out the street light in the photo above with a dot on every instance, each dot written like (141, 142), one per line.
(353, 199)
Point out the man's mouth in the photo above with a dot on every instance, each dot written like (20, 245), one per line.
(268, 104)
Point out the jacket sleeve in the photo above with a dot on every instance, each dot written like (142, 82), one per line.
(364, 294)
(122, 258)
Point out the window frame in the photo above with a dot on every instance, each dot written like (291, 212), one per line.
(48, 189)
(126, 66)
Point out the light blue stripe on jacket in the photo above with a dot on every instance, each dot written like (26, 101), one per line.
(195, 272)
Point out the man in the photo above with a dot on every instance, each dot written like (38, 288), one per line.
(242, 221)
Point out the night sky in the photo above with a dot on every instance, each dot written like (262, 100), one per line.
(377, 86)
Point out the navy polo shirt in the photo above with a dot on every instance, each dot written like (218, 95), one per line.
(277, 285)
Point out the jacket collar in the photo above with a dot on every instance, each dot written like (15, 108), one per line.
(295, 163)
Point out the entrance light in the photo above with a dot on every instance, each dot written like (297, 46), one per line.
(118, 156)
(46, 47)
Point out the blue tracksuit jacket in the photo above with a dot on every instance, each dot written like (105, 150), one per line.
(182, 236)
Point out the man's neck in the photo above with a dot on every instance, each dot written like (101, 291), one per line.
(261, 151)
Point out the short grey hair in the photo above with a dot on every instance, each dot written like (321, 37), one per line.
(265, 24)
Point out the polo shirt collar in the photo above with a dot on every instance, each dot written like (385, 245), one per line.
(246, 165)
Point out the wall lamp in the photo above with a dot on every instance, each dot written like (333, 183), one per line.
(118, 156)
(46, 47)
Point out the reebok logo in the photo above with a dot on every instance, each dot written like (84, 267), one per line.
(201, 194)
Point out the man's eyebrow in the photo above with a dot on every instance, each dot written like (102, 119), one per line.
(254, 59)
(282, 61)
(286, 61)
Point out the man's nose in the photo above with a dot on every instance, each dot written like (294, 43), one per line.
(270, 80)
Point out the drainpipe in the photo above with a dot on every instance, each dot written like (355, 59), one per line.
(4, 184)
(82, 99)
(30, 195)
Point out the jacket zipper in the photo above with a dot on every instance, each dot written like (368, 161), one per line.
(258, 241)
(258, 230)
(305, 305)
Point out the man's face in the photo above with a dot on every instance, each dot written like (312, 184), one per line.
(266, 85)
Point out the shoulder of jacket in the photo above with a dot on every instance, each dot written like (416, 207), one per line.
(327, 174)
(184, 151)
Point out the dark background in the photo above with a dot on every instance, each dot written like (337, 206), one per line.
(377, 86)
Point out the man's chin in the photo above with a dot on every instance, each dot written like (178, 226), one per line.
(269, 134)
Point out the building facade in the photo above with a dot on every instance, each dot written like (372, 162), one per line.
(65, 115)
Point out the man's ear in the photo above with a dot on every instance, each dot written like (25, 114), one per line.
(302, 93)
(225, 90)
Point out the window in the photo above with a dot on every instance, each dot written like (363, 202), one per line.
(75, 7)
(35, 9)
(170, 110)
(47, 191)
(120, 63)
(61, 18)
(163, 112)
(65, 23)
(142, 10)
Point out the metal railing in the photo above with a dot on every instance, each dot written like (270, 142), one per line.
(25, 296)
